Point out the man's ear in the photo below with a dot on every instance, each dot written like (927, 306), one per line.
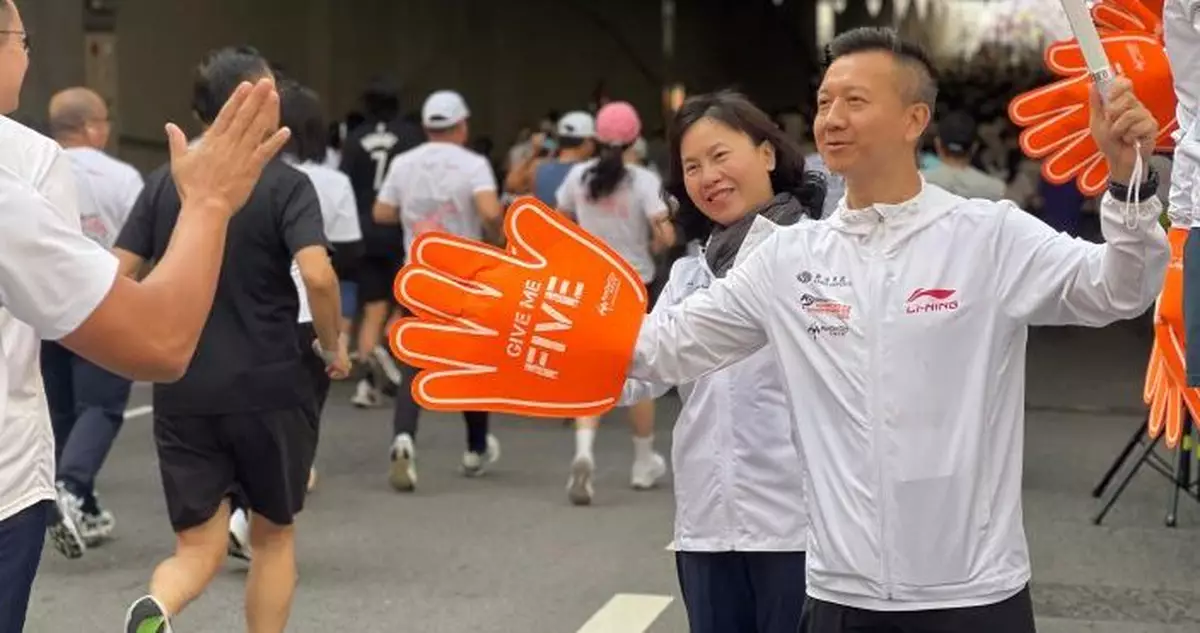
(919, 116)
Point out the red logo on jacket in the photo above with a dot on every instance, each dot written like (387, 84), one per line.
(930, 300)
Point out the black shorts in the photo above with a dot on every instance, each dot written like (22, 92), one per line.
(1014, 615)
(266, 455)
(376, 277)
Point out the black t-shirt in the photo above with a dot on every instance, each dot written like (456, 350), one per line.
(366, 155)
(248, 358)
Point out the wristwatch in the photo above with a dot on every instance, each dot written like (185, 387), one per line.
(1147, 190)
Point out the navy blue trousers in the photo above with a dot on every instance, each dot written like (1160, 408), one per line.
(21, 538)
(87, 409)
(1191, 306)
(742, 592)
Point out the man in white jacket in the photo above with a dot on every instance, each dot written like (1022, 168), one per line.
(900, 326)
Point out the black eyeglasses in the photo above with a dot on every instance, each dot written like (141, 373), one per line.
(24, 37)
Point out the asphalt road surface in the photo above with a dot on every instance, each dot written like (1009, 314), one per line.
(508, 553)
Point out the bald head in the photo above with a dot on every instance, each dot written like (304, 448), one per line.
(77, 116)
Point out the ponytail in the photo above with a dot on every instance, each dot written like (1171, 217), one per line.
(603, 178)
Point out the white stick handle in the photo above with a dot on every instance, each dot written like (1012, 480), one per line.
(1080, 18)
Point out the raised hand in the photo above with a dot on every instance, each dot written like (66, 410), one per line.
(221, 170)
(546, 328)
(1122, 127)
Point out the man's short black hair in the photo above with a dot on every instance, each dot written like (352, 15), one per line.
(924, 87)
(219, 74)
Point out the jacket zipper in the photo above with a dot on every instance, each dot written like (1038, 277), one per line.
(880, 285)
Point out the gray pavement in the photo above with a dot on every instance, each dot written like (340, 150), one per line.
(507, 553)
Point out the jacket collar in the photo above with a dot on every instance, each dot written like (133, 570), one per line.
(898, 221)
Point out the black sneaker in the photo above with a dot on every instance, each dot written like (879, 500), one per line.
(146, 615)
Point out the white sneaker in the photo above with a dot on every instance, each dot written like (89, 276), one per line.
(239, 535)
(646, 472)
(474, 464)
(403, 473)
(365, 396)
(579, 486)
(387, 363)
(64, 530)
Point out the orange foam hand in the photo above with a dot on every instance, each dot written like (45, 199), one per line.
(1166, 391)
(1055, 117)
(545, 328)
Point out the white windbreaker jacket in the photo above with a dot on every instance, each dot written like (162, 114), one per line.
(738, 470)
(901, 331)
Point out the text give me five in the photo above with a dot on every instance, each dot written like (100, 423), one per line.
(536, 343)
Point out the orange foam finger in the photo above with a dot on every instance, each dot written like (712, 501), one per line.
(1093, 179)
(1128, 15)
(430, 292)
(1174, 421)
(1051, 103)
(1065, 58)
(424, 343)
(539, 234)
(457, 256)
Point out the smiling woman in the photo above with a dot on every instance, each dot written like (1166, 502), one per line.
(728, 157)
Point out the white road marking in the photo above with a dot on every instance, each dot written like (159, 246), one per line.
(138, 412)
(627, 613)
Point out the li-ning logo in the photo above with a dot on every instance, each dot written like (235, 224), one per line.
(818, 305)
(930, 300)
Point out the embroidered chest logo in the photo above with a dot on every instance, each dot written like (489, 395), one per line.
(931, 300)
(818, 305)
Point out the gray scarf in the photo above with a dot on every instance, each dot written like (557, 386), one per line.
(725, 241)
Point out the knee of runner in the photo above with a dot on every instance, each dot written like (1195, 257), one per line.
(265, 534)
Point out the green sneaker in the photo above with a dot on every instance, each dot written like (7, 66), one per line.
(146, 615)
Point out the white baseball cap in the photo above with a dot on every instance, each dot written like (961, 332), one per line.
(577, 124)
(443, 109)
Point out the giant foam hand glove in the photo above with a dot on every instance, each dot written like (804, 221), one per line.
(545, 328)
(1056, 117)
(1166, 391)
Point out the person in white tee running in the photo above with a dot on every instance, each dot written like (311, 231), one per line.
(622, 204)
(87, 402)
(439, 185)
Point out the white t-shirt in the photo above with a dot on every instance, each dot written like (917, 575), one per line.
(339, 213)
(51, 278)
(107, 190)
(434, 185)
(624, 219)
